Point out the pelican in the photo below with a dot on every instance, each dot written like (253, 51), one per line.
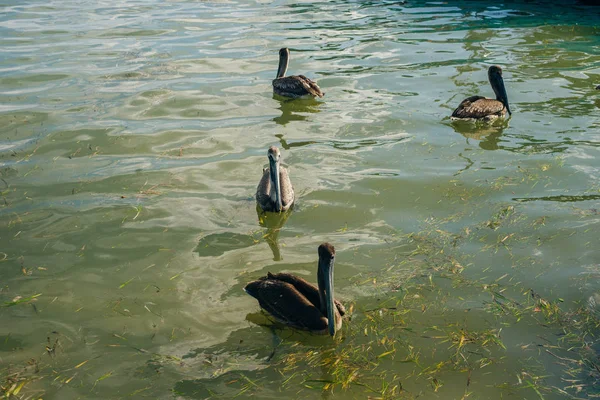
(275, 191)
(482, 108)
(296, 85)
(295, 302)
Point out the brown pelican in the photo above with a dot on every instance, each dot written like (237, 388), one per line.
(275, 191)
(482, 108)
(296, 85)
(295, 302)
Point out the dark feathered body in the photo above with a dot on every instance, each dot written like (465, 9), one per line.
(293, 301)
(294, 86)
(482, 108)
(478, 107)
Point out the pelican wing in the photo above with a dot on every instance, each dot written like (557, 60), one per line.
(479, 107)
(308, 290)
(284, 302)
(313, 88)
(262, 192)
(296, 86)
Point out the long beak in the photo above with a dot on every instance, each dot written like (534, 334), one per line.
(500, 90)
(283, 64)
(325, 280)
(274, 172)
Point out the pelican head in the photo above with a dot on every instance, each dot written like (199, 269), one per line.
(284, 57)
(495, 77)
(275, 193)
(325, 281)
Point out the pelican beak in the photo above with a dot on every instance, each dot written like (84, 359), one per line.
(326, 282)
(500, 91)
(274, 173)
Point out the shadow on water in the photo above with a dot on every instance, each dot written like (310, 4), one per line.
(528, 144)
(567, 107)
(219, 243)
(284, 143)
(559, 198)
(273, 222)
(244, 363)
(490, 138)
(212, 376)
(356, 144)
(291, 109)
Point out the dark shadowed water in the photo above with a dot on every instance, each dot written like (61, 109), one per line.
(132, 138)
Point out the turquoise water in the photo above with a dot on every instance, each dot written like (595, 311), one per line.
(132, 138)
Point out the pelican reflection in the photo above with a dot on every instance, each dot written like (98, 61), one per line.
(487, 135)
(273, 222)
(295, 110)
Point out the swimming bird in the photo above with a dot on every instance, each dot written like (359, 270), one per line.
(482, 108)
(297, 303)
(275, 191)
(296, 85)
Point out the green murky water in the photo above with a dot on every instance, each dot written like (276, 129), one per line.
(132, 138)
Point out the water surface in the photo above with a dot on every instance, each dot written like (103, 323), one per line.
(132, 138)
